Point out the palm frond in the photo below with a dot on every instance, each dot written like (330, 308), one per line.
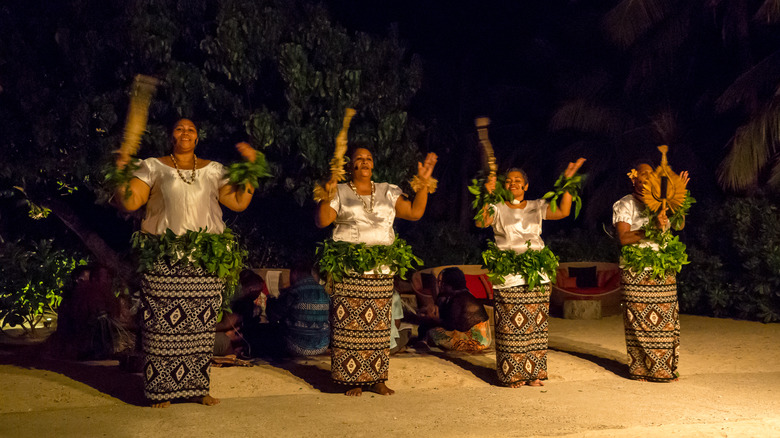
(751, 148)
(744, 90)
(659, 56)
(582, 116)
(666, 125)
(774, 176)
(631, 19)
(769, 12)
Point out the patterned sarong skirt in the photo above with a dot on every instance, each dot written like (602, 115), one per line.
(180, 305)
(521, 333)
(651, 319)
(360, 343)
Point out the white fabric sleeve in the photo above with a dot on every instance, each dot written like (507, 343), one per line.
(543, 205)
(621, 213)
(145, 172)
(393, 193)
(222, 174)
(335, 203)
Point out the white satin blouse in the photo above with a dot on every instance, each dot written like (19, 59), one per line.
(514, 228)
(627, 209)
(354, 224)
(180, 206)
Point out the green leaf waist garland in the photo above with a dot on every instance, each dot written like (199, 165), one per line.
(669, 256)
(530, 264)
(339, 258)
(563, 185)
(482, 198)
(248, 172)
(217, 254)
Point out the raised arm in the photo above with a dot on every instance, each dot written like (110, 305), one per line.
(235, 197)
(325, 214)
(133, 196)
(490, 185)
(413, 210)
(564, 209)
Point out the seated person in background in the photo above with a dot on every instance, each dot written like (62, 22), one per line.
(89, 323)
(301, 313)
(398, 338)
(461, 322)
(247, 309)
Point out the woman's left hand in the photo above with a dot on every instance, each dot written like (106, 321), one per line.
(246, 151)
(572, 168)
(425, 169)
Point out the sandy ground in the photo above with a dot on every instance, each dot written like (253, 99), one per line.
(730, 387)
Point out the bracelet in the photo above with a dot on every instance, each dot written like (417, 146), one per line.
(320, 194)
(418, 184)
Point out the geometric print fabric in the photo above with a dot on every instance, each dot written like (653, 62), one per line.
(179, 311)
(521, 333)
(360, 342)
(652, 323)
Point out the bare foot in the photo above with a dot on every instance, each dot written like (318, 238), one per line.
(381, 389)
(164, 404)
(206, 400)
(517, 384)
(536, 382)
(355, 392)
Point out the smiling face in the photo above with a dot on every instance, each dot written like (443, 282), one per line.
(362, 163)
(643, 172)
(516, 183)
(184, 136)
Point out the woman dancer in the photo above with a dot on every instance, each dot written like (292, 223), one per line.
(650, 308)
(180, 298)
(363, 213)
(522, 311)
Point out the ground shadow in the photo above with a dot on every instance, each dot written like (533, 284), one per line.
(583, 351)
(104, 376)
(317, 377)
(486, 374)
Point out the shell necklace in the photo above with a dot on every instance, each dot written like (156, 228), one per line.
(194, 174)
(363, 201)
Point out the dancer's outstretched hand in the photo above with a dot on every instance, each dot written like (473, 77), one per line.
(246, 151)
(572, 168)
(425, 169)
(685, 178)
(490, 184)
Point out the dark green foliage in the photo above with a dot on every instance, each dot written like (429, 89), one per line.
(577, 245)
(443, 243)
(530, 264)
(338, 258)
(735, 261)
(32, 280)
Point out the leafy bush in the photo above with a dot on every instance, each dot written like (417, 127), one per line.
(735, 261)
(31, 282)
(576, 245)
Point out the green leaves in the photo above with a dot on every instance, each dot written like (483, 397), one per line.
(571, 186)
(678, 218)
(482, 198)
(218, 254)
(339, 258)
(248, 172)
(115, 178)
(667, 260)
(31, 281)
(530, 264)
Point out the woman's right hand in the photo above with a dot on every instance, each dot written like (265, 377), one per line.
(490, 184)
(122, 160)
